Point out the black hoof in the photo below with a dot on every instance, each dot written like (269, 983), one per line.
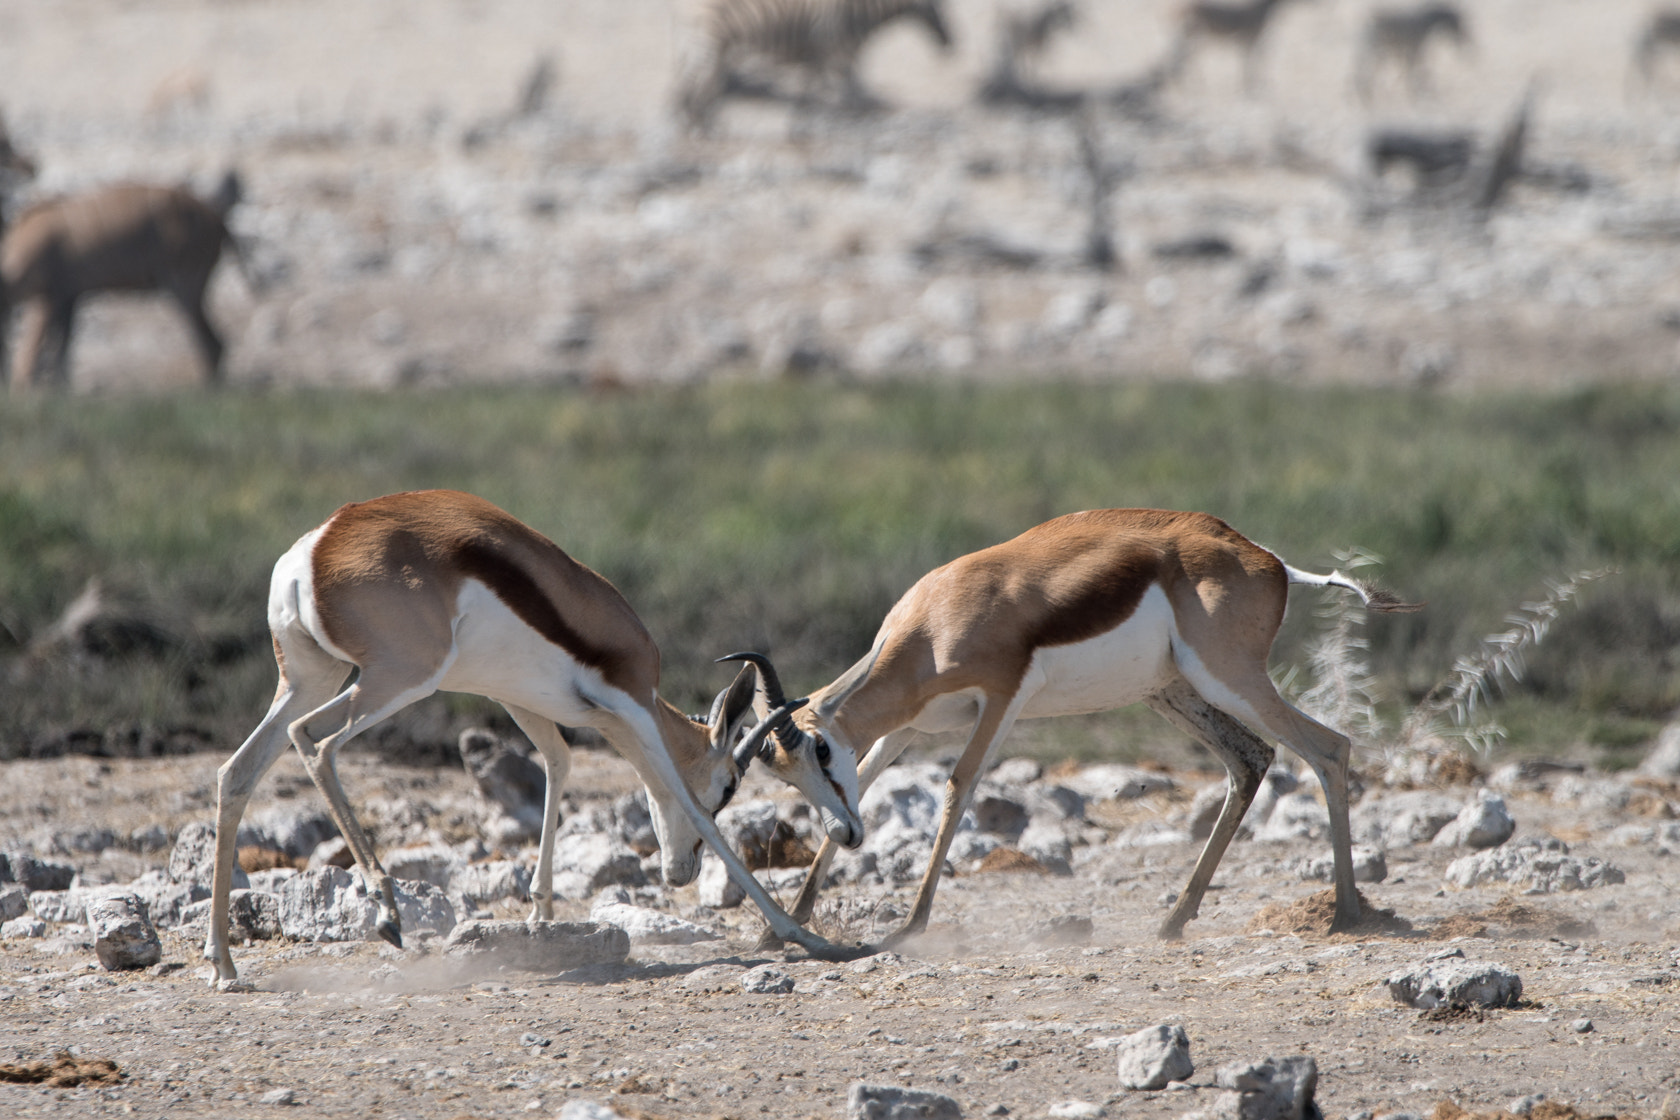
(388, 931)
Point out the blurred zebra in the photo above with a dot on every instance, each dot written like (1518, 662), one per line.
(1401, 36)
(1239, 22)
(819, 38)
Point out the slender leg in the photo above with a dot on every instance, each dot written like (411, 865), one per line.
(885, 751)
(191, 302)
(29, 349)
(1253, 699)
(62, 329)
(362, 705)
(1246, 757)
(557, 759)
(995, 722)
(307, 681)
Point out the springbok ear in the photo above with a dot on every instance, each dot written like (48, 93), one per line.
(733, 709)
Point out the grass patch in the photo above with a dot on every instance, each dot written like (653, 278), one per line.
(788, 518)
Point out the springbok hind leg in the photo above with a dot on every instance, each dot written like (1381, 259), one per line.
(557, 759)
(1246, 757)
(358, 707)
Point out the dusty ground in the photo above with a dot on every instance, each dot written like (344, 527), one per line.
(987, 1008)
(413, 232)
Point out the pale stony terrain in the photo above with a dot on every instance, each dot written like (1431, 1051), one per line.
(1007, 1001)
(412, 230)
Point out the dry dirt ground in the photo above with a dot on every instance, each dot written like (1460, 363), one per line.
(987, 1007)
(413, 230)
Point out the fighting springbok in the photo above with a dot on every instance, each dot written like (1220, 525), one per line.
(1241, 23)
(821, 39)
(1400, 36)
(1084, 613)
(124, 237)
(439, 590)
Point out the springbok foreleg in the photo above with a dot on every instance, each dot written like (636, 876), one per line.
(557, 759)
(885, 751)
(1246, 757)
(995, 722)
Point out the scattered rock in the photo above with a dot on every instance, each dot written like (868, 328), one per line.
(589, 1110)
(1275, 1089)
(479, 884)
(290, 829)
(1483, 823)
(1402, 819)
(1295, 816)
(1370, 865)
(332, 904)
(539, 946)
(1076, 1110)
(333, 852)
(643, 925)
(193, 859)
(1537, 867)
(890, 1102)
(1152, 1057)
(1439, 983)
(123, 935)
(35, 874)
(1113, 781)
(583, 864)
(25, 927)
(166, 900)
(279, 1097)
(57, 907)
(766, 980)
(14, 902)
(509, 778)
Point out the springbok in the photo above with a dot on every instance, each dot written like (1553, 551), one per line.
(1401, 36)
(123, 237)
(1084, 613)
(14, 167)
(439, 590)
(1241, 23)
(820, 38)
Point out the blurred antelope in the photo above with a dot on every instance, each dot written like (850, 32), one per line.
(1241, 23)
(414, 593)
(1084, 613)
(1400, 36)
(820, 38)
(125, 237)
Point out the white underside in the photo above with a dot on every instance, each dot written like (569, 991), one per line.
(1111, 670)
(499, 656)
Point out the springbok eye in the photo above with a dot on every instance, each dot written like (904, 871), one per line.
(823, 753)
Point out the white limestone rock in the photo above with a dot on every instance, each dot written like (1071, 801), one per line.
(123, 935)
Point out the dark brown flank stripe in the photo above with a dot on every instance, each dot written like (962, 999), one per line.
(1100, 606)
(521, 594)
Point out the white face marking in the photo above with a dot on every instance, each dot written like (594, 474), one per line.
(1110, 670)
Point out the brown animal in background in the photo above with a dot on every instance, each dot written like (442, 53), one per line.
(1400, 36)
(122, 238)
(12, 163)
(1241, 23)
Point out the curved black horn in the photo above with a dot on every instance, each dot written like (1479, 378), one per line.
(753, 740)
(766, 673)
(786, 733)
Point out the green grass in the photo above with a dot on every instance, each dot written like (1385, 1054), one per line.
(787, 517)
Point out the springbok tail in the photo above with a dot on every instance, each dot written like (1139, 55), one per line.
(1375, 598)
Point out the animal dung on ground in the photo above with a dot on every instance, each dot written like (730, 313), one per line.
(63, 1072)
(539, 946)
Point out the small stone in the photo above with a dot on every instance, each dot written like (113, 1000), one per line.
(1523, 1106)
(123, 936)
(1154, 1056)
(1483, 823)
(24, 927)
(1582, 1026)
(14, 902)
(1445, 982)
(279, 1096)
(1275, 1089)
(890, 1102)
(36, 874)
(530, 1038)
(1076, 1110)
(766, 980)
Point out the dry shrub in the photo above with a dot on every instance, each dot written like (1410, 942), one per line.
(63, 1072)
(254, 858)
(1311, 916)
(1011, 859)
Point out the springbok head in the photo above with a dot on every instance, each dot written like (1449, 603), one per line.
(826, 774)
